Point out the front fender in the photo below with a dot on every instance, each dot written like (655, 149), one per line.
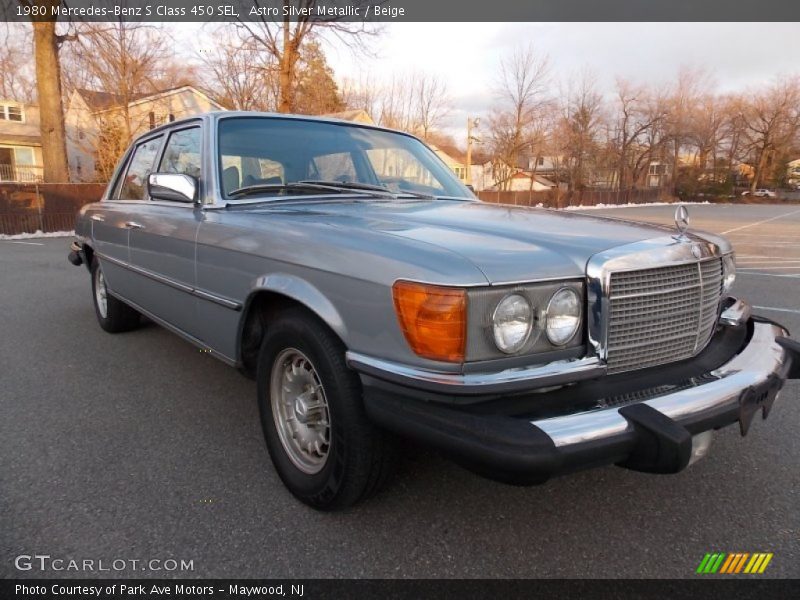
(301, 291)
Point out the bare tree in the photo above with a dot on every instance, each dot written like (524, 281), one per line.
(284, 40)
(582, 114)
(522, 94)
(243, 75)
(123, 59)
(637, 131)
(770, 121)
(16, 79)
(433, 103)
(416, 102)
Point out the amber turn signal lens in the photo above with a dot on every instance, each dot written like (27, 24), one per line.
(433, 319)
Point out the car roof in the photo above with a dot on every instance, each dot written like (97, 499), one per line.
(218, 115)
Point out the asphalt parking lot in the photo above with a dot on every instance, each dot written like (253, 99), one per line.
(138, 446)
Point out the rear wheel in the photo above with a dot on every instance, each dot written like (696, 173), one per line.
(323, 446)
(113, 314)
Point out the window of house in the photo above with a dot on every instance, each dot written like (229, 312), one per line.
(23, 156)
(540, 161)
(11, 112)
(182, 154)
(134, 184)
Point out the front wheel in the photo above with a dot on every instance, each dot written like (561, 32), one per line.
(325, 450)
(112, 313)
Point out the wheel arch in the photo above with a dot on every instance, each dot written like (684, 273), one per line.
(268, 296)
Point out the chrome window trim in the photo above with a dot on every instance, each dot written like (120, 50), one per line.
(666, 251)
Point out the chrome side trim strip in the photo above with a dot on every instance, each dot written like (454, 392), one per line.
(221, 300)
(522, 378)
(762, 357)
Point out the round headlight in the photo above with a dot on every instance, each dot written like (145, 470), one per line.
(512, 323)
(563, 316)
(728, 272)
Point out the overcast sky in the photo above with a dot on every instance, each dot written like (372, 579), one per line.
(466, 55)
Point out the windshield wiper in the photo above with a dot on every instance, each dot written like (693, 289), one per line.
(280, 187)
(367, 187)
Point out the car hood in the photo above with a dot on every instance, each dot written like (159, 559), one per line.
(506, 243)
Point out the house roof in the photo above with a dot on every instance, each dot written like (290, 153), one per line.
(452, 152)
(358, 116)
(100, 101)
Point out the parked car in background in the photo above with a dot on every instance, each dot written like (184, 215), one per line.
(371, 295)
(761, 193)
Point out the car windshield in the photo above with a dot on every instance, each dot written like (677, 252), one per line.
(271, 156)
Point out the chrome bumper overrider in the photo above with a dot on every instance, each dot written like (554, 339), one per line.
(762, 358)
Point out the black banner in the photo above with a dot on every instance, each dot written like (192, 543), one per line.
(336, 589)
(402, 10)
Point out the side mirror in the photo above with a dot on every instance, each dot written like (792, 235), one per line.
(174, 187)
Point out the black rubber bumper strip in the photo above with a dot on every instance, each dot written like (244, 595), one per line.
(793, 348)
(662, 445)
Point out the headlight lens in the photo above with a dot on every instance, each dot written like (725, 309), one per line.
(512, 323)
(728, 272)
(563, 316)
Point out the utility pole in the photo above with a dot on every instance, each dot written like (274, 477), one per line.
(470, 138)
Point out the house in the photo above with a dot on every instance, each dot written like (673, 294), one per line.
(793, 173)
(496, 175)
(100, 125)
(453, 158)
(20, 142)
(355, 116)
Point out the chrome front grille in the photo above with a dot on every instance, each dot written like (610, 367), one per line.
(661, 315)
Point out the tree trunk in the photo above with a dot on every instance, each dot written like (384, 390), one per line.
(48, 85)
(288, 61)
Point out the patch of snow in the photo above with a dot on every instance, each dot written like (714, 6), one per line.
(37, 234)
(599, 206)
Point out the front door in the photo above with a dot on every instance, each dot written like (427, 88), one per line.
(162, 241)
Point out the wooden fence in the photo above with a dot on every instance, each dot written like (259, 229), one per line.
(31, 207)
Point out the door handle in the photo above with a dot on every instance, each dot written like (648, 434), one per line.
(134, 225)
(98, 218)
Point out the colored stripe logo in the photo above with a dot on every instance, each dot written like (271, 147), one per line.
(734, 563)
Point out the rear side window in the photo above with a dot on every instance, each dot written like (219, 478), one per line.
(134, 183)
(182, 154)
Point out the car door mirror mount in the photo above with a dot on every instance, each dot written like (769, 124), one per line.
(174, 187)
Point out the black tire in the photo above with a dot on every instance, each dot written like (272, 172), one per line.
(119, 316)
(360, 456)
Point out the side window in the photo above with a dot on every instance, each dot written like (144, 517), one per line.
(182, 154)
(333, 167)
(134, 184)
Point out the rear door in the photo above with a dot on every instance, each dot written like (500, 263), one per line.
(111, 222)
(162, 239)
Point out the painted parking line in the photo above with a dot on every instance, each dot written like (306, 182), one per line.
(742, 272)
(26, 243)
(776, 309)
(789, 214)
(770, 268)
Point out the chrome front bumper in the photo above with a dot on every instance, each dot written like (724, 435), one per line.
(660, 434)
(762, 358)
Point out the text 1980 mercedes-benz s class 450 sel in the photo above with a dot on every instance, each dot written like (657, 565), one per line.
(375, 300)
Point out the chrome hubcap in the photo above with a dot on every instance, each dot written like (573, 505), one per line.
(100, 293)
(300, 411)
